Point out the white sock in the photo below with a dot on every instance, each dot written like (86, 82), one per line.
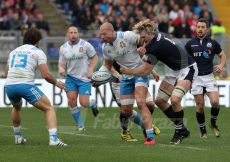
(17, 131)
(53, 134)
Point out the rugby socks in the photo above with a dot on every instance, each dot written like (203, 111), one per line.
(92, 104)
(53, 134)
(137, 119)
(170, 113)
(124, 120)
(149, 133)
(76, 113)
(214, 115)
(17, 131)
(201, 121)
(179, 119)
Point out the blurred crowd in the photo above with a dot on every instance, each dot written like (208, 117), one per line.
(175, 17)
(21, 15)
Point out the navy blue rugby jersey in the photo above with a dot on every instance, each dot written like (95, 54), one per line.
(203, 52)
(167, 51)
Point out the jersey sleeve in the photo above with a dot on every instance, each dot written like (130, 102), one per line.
(106, 53)
(62, 60)
(90, 51)
(187, 47)
(216, 47)
(131, 37)
(150, 59)
(42, 59)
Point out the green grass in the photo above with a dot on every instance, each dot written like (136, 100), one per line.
(101, 141)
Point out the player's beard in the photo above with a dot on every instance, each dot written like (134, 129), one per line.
(73, 40)
(201, 36)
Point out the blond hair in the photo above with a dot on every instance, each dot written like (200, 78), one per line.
(145, 25)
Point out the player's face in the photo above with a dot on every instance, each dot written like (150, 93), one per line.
(145, 37)
(201, 29)
(106, 35)
(73, 34)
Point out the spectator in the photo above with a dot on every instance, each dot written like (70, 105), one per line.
(42, 24)
(4, 24)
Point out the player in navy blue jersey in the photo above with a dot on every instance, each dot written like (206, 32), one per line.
(203, 49)
(178, 80)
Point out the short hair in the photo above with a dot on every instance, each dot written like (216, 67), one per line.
(146, 25)
(32, 36)
(203, 20)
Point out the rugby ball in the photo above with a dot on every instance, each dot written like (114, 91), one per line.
(101, 77)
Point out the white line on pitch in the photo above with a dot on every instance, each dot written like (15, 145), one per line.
(184, 147)
(83, 135)
(7, 126)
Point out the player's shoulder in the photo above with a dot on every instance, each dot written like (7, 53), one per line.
(64, 45)
(83, 42)
(128, 34)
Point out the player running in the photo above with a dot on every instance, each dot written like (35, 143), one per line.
(22, 63)
(77, 61)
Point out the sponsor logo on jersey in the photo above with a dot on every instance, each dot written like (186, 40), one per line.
(209, 45)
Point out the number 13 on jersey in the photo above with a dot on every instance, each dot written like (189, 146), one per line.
(19, 60)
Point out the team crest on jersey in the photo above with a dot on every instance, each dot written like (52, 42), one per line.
(122, 44)
(209, 45)
(81, 49)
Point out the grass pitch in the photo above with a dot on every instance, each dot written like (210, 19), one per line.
(101, 141)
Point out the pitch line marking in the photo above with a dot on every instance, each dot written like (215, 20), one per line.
(185, 147)
(83, 135)
(7, 126)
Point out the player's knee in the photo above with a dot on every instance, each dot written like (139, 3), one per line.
(127, 112)
(200, 105)
(140, 103)
(84, 103)
(72, 102)
(215, 103)
(160, 102)
(175, 101)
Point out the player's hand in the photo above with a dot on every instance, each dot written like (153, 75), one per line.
(62, 72)
(218, 68)
(60, 85)
(125, 70)
(90, 72)
(141, 50)
(95, 84)
(156, 76)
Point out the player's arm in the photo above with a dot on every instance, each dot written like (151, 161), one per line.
(62, 63)
(106, 65)
(115, 74)
(222, 56)
(48, 76)
(92, 65)
(140, 71)
(155, 75)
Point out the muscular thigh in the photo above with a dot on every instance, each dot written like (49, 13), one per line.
(165, 90)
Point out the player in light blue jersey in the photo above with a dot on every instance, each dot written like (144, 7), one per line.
(22, 63)
(77, 61)
(122, 48)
